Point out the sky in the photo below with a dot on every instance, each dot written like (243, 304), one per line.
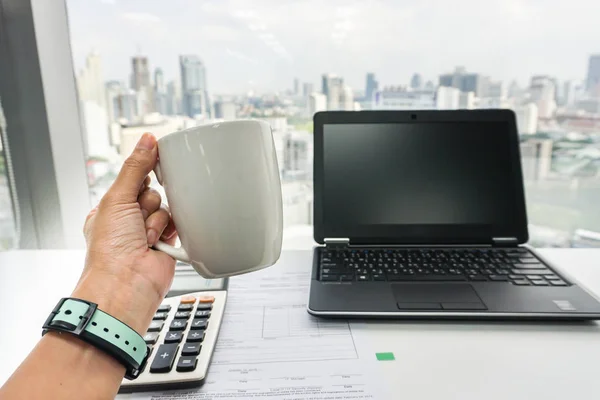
(263, 45)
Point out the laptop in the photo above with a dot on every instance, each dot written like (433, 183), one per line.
(421, 214)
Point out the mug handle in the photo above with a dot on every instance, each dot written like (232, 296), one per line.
(177, 253)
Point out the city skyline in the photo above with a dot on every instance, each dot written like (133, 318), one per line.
(264, 47)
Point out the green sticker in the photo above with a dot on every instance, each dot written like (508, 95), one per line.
(385, 356)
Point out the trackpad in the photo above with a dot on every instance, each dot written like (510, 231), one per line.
(436, 296)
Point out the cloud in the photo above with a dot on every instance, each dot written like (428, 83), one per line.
(141, 17)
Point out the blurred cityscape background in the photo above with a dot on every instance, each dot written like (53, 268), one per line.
(558, 122)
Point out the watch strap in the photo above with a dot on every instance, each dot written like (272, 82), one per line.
(85, 320)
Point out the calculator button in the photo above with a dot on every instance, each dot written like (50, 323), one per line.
(204, 306)
(186, 364)
(191, 349)
(202, 314)
(164, 358)
(195, 336)
(200, 323)
(182, 315)
(155, 326)
(178, 325)
(160, 315)
(151, 337)
(188, 300)
(206, 299)
(173, 337)
(185, 307)
(164, 308)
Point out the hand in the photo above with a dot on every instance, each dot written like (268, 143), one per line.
(122, 274)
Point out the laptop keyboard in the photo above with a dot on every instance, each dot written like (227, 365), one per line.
(514, 266)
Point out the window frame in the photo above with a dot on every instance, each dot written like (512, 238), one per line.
(41, 107)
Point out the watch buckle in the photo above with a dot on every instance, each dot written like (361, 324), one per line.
(83, 322)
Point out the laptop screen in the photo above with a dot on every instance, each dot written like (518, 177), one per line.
(417, 181)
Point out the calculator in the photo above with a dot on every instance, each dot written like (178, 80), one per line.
(181, 340)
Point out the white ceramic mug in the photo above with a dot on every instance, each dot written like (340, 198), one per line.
(224, 193)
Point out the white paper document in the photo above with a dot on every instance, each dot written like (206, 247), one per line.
(270, 347)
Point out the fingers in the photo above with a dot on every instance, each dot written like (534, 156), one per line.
(170, 233)
(156, 224)
(135, 169)
(149, 202)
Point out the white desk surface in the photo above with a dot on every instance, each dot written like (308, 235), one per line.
(433, 360)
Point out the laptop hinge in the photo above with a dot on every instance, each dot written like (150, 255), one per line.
(505, 241)
(337, 242)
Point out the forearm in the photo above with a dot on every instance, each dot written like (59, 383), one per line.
(64, 367)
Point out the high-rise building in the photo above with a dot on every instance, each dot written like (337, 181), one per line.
(113, 90)
(416, 82)
(317, 102)
(543, 92)
(593, 75)
(402, 99)
(332, 88)
(307, 89)
(140, 82)
(193, 86)
(225, 110)
(126, 105)
(371, 86)
(347, 99)
(536, 156)
(447, 98)
(466, 100)
(496, 90)
(174, 106)
(570, 93)
(298, 156)
(90, 81)
(527, 118)
(140, 77)
(296, 86)
(160, 92)
(329, 80)
(333, 97)
(159, 81)
(465, 82)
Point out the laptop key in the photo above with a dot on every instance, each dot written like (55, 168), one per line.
(499, 278)
(558, 283)
(347, 277)
(521, 282)
(429, 278)
(530, 271)
(539, 283)
(528, 266)
(363, 277)
(528, 260)
(329, 278)
(379, 277)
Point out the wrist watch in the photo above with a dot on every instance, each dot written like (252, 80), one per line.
(84, 320)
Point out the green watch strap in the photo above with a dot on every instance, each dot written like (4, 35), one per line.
(100, 329)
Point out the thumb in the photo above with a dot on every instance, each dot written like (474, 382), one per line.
(136, 167)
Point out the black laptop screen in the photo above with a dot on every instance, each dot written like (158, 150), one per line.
(419, 179)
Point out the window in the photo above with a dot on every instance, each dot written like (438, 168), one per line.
(162, 66)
